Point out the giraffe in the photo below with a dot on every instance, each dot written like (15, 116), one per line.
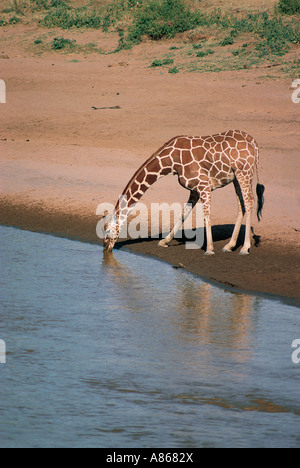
(202, 164)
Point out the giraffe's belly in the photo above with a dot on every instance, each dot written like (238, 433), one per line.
(219, 182)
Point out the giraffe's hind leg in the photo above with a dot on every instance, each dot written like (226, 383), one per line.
(238, 224)
(245, 182)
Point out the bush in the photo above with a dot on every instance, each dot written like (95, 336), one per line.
(14, 20)
(289, 7)
(18, 6)
(276, 37)
(227, 41)
(163, 18)
(205, 53)
(161, 63)
(159, 19)
(60, 43)
(47, 4)
(173, 70)
(40, 4)
(66, 18)
(60, 4)
(61, 14)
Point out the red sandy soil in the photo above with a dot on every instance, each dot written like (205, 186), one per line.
(60, 158)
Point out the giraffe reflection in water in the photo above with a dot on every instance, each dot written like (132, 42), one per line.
(198, 313)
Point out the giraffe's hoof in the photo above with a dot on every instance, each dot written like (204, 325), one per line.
(209, 253)
(226, 249)
(243, 252)
(163, 244)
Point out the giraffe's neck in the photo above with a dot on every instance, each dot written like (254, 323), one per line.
(149, 173)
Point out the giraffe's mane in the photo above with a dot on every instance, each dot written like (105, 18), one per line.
(152, 157)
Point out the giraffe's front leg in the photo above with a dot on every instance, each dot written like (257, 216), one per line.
(193, 199)
(249, 202)
(210, 245)
(170, 237)
(206, 200)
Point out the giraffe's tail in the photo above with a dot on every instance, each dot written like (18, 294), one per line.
(260, 189)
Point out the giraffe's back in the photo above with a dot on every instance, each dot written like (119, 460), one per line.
(214, 158)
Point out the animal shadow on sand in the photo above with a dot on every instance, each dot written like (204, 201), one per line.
(220, 233)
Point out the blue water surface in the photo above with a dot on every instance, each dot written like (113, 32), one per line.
(124, 351)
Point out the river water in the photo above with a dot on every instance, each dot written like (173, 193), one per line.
(125, 351)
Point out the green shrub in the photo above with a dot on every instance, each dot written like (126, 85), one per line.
(60, 43)
(163, 18)
(204, 53)
(197, 46)
(14, 20)
(161, 63)
(276, 37)
(173, 70)
(289, 7)
(66, 18)
(18, 6)
(159, 19)
(59, 4)
(227, 41)
(47, 4)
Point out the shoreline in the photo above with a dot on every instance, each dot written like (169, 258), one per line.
(269, 270)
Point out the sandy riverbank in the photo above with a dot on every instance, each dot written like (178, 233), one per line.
(60, 158)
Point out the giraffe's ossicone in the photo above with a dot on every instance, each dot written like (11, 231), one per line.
(202, 164)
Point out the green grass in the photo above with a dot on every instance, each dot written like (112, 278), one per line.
(289, 7)
(65, 18)
(205, 53)
(60, 43)
(60, 14)
(291, 68)
(162, 19)
(268, 34)
(160, 63)
(173, 70)
(158, 19)
(227, 41)
(166, 18)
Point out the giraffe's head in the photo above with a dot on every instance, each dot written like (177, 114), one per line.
(111, 234)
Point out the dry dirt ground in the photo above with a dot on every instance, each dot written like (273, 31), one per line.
(60, 158)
